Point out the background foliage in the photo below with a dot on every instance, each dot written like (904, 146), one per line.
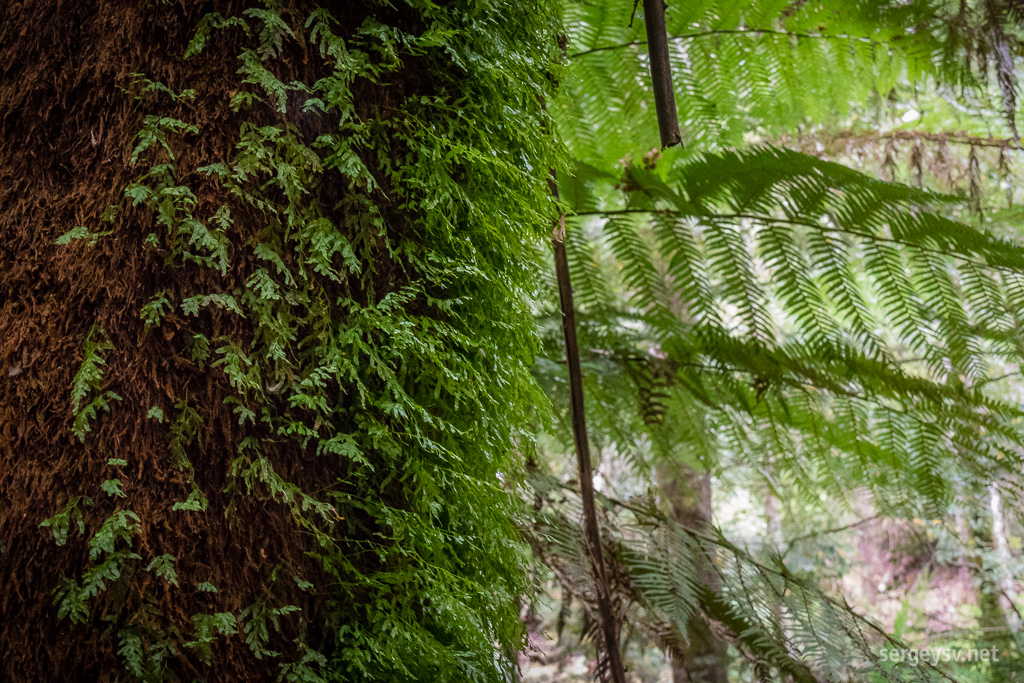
(804, 333)
(275, 352)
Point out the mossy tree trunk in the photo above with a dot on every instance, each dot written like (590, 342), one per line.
(264, 352)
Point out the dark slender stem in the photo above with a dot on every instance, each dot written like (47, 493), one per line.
(661, 73)
(579, 433)
(834, 530)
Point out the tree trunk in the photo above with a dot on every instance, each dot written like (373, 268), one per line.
(773, 525)
(686, 495)
(993, 619)
(264, 353)
(1007, 597)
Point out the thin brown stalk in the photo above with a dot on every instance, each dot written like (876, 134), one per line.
(592, 532)
(661, 73)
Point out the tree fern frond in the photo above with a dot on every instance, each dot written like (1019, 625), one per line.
(823, 639)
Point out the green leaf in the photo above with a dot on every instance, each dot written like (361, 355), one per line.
(163, 565)
(112, 487)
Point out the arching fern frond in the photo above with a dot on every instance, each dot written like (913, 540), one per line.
(763, 66)
(784, 296)
(771, 227)
(770, 615)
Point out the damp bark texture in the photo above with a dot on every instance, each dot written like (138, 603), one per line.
(686, 493)
(255, 320)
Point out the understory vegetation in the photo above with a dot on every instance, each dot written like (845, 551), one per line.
(497, 340)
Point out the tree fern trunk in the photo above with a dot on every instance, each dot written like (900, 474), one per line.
(264, 348)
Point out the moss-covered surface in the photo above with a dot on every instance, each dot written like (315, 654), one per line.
(263, 339)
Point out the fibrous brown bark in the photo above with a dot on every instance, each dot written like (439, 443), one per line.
(69, 115)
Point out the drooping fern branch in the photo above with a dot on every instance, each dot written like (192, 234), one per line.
(658, 582)
(827, 313)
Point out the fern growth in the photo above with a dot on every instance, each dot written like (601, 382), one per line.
(773, 617)
(768, 306)
(741, 69)
(741, 266)
(320, 236)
